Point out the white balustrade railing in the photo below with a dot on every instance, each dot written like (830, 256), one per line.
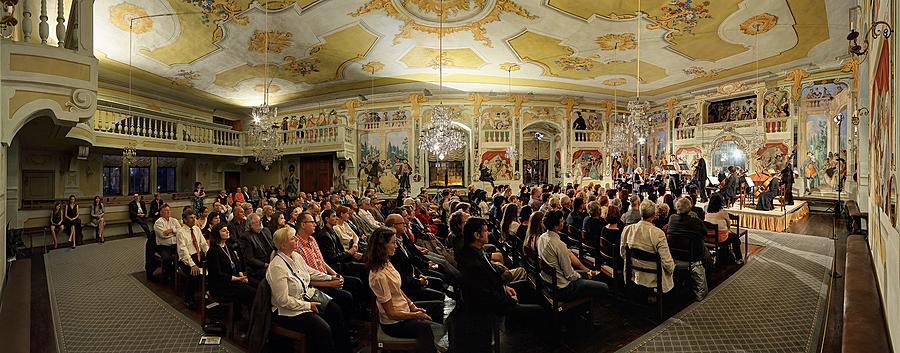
(374, 125)
(18, 17)
(122, 122)
(685, 133)
(496, 135)
(588, 135)
(328, 134)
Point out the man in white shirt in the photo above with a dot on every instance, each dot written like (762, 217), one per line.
(366, 215)
(554, 252)
(165, 228)
(647, 237)
(192, 248)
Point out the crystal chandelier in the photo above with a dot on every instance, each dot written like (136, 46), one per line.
(439, 137)
(129, 154)
(620, 138)
(265, 132)
(637, 110)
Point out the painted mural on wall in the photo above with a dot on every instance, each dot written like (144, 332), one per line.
(822, 170)
(310, 120)
(776, 104)
(659, 141)
(587, 119)
(770, 157)
(383, 118)
(384, 161)
(881, 136)
(496, 118)
(686, 116)
(498, 163)
(735, 109)
(587, 165)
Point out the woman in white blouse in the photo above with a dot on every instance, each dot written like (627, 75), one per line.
(292, 283)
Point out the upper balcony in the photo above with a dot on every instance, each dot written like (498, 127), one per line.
(114, 127)
(47, 73)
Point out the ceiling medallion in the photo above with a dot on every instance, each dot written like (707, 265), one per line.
(509, 67)
(624, 41)
(759, 24)
(614, 82)
(699, 72)
(680, 16)
(277, 41)
(121, 14)
(459, 15)
(372, 66)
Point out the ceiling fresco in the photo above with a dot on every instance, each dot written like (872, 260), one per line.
(215, 49)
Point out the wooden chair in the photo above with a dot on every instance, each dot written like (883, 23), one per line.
(550, 292)
(632, 254)
(711, 240)
(381, 341)
(608, 254)
(735, 222)
(298, 338)
(207, 302)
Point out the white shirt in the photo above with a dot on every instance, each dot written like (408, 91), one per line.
(289, 290)
(367, 216)
(554, 252)
(161, 225)
(186, 244)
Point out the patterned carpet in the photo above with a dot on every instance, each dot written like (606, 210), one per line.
(776, 303)
(98, 307)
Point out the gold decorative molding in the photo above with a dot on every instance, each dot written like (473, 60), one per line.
(351, 106)
(476, 26)
(510, 67)
(277, 41)
(852, 66)
(518, 99)
(758, 24)
(623, 41)
(608, 107)
(121, 14)
(729, 87)
(570, 103)
(797, 75)
(415, 100)
(614, 82)
(477, 98)
(670, 107)
(372, 67)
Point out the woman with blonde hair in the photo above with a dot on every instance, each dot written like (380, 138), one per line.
(535, 229)
(297, 303)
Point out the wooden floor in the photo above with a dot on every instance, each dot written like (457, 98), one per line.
(623, 324)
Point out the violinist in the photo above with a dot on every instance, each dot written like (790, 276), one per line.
(767, 191)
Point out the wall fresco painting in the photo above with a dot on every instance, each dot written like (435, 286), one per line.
(499, 164)
(587, 165)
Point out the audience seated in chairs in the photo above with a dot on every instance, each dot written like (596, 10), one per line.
(165, 228)
(530, 245)
(420, 279)
(155, 206)
(191, 250)
(662, 216)
(296, 302)
(56, 223)
(398, 315)
(308, 248)
(593, 224)
(578, 215)
(716, 214)
(554, 252)
(256, 249)
(633, 214)
(98, 217)
(686, 233)
(484, 295)
(647, 237)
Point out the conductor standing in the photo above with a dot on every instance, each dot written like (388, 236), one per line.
(787, 180)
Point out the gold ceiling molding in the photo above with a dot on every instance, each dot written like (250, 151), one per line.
(448, 6)
(517, 100)
(276, 43)
(185, 78)
(415, 103)
(558, 60)
(121, 14)
(698, 71)
(614, 82)
(372, 67)
(759, 24)
(477, 99)
(570, 104)
(421, 57)
(623, 41)
(729, 87)
(474, 26)
(796, 76)
(510, 67)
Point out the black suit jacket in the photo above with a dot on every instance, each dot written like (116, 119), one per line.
(332, 249)
(155, 206)
(256, 250)
(482, 287)
(409, 272)
(133, 208)
(685, 231)
(219, 268)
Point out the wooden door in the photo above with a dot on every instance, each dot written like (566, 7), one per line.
(316, 173)
(232, 181)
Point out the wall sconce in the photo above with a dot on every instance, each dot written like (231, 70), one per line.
(874, 31)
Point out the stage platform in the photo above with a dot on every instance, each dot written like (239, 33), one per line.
(776, 220)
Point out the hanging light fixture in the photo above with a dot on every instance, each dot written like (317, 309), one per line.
(439, 137)
(637, 110)
(511, 151)
(265, 131)
(129, 154)
(618, 136)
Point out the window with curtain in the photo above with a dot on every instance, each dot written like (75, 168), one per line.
(165, 174)
(139, 180)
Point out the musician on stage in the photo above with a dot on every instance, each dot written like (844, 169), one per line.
(787, 180)
(700, 177)
(768, 191)
(729, 185)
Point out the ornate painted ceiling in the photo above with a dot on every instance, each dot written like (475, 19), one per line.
(215, 48)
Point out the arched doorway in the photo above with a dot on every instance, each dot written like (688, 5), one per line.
(541, 157)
